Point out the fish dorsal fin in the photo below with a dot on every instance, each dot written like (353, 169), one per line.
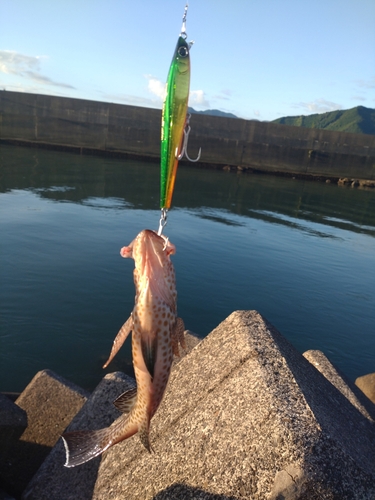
(126, 400)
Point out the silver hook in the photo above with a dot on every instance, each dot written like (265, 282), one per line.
(185, 143)
(183, 28)
(163, 220)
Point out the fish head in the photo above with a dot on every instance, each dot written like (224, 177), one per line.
(153, 267)
(181, 55)
(148, 246)
(154, 275)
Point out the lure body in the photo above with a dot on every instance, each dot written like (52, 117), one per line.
(173, 119)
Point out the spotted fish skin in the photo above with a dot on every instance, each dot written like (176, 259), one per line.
(156, 334)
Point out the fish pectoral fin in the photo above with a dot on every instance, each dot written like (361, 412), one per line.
(126, 400)
(149, 350)
(120, 339)
(82, 446)
(178, 337)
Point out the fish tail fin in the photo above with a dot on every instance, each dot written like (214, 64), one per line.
(82, 446)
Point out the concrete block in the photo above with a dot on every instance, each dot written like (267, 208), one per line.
(367, 385)
(241, 411)
(13, 422)
(50, 403)
(191, 341)
(245, 415)
(342, 383)
(53, 480)
(98, 412)
(5, 496)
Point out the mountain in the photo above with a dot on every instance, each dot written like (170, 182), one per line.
(359, 120)
(212, 112)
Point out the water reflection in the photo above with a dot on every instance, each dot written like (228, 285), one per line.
(88, 180)
(217, 216)
(291, 222)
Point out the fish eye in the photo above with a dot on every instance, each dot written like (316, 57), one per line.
(183, 51)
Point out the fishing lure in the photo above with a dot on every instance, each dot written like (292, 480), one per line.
(175, 126)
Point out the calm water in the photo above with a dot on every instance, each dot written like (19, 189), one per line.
(301, 253)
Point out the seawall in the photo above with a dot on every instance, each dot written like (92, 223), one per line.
(107, 128)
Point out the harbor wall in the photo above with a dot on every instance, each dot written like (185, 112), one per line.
(108, 128)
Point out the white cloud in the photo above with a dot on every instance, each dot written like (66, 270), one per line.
(130, 99)
(224, 95)
(14, 63)
(366, 84)
(44, 80)
(156, 87)
(358, 98)
(318, 106)
(30, 88)
(198, 98)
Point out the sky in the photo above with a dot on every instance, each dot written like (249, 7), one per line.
(257, 59)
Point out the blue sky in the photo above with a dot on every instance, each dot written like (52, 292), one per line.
(257, 59)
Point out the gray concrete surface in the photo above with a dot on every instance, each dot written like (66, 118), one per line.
(50, 402)
(13, 422)
(367, 385)
(53, 480)
(99, 411)
(245, 416)
(342, 383)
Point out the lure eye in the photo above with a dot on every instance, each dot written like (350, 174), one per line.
(183, 51)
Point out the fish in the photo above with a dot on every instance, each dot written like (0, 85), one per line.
(175, 119)
(157, 333)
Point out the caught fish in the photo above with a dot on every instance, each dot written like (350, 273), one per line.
(156, 335)
(175, 121)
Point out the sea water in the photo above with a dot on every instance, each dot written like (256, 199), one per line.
(301, 253)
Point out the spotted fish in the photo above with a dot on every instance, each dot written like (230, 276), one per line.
(156, 335)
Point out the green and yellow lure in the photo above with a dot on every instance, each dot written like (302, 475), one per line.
(175, 119)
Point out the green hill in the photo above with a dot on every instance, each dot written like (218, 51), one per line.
(212, 112)
(359, 120)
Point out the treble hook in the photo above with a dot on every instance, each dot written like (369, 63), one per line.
(185, 143)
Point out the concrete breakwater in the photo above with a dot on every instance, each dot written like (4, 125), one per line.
(107, 128)
(245, 416)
